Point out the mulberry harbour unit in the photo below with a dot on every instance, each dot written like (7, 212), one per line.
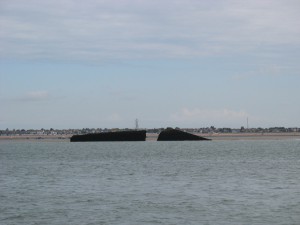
(133, 135)
(176, 135)
(138, 135)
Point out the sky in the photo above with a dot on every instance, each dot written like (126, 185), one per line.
(170, 63)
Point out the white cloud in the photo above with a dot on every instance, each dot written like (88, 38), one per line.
(206, 117)
(114, 117)
(268, 70)
(35, 96)
(99, 30)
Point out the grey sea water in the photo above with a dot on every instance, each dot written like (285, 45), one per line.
(217, 182)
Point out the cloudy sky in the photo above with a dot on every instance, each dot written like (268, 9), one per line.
(186, 63)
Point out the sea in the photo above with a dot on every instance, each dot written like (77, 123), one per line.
(201, 182)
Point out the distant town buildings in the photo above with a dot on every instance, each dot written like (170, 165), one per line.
(204, 130)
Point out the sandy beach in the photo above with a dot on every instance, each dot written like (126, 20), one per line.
(36, 138)
(153, 137)
(254, 136)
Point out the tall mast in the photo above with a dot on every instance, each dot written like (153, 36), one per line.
(136, 124)
(247, 124)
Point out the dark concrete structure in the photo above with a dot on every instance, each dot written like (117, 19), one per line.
(177, 135)
(133, 135)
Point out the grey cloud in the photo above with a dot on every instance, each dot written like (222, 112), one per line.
(99, 30)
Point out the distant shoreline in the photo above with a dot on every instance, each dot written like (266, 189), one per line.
(253, 136)
(153, 137)
(37, 138)
(241, 136)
